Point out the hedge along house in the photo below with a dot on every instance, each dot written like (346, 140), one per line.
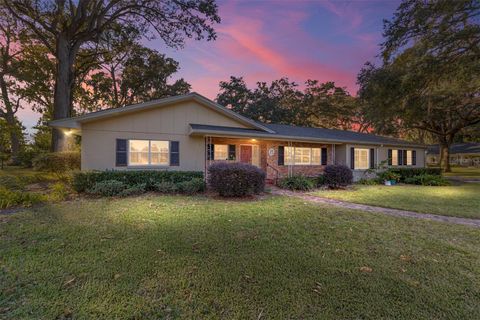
(190, 132)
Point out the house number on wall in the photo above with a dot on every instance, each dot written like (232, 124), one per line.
(271, 152)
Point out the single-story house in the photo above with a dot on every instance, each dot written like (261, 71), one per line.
(461, 154)
(189, 132)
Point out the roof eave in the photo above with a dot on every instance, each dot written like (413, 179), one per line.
(221, 133)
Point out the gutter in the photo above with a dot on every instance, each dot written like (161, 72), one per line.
(215, 133)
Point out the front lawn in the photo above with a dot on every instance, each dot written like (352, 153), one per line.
(464, 172)
(23, 187)
(457, 201)
(156, 257)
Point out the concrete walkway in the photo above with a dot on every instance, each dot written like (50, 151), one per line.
(374, 209)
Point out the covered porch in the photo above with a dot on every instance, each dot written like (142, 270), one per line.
(278, 158)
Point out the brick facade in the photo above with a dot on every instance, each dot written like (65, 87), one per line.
(269, 163)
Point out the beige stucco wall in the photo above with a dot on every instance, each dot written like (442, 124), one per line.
(165, 123)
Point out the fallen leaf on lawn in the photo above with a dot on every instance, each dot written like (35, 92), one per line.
(405, 258)
(69, 282)
(366, 269)
(403, 270)
(116, 276)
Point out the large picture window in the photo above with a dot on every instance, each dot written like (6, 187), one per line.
(302, 156)
(362, 158)
(220, 152)
(148, 152)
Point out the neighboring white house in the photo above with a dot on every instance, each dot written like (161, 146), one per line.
(189, 132)
(461, 154)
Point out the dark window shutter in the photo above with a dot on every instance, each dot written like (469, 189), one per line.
(389, 157)
(210, 151)
(174, 153)
(281, 155)
(324, 156)
(352, 158)
(372, 158)
(400, 157)
(121, 153)
(231, 152)
(414, 157)
(405, 162)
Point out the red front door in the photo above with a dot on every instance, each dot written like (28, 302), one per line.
(246, 154)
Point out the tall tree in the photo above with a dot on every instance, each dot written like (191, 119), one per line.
(329, 106)
(430, 79)
(65, 27)
(319, 105)
(134, 75)
(10, 102)
(277, 102)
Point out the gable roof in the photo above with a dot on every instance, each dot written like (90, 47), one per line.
(288, 132)
(258, 129)
(455, 148)
(74, 122)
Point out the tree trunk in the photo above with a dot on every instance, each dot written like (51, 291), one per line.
(64, 80)
(9, 116)
(445, 155)
(13, 130)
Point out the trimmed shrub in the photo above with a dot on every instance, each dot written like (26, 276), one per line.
(57, 162)
(133, 190)
(368, 182)
(12, 198)
(166, 187)
(235, 179)
(427, 180)
(298, 182)
(389, 175)
(337, 176)
(85, 180)
(405, 173)
(108, 188)
(193, 186)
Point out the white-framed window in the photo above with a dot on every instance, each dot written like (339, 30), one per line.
(409, 158)
(220, 152)
(362, 158)
(316, 156)
(148, 153)
(394, 157)
(302, 156)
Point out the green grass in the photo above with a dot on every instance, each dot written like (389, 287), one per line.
(27, 174)
(456, 201)
(156, 257)
(464, 172)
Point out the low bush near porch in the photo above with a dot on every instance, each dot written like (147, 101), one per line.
(337, 176)
(235, 179)
(297, 183)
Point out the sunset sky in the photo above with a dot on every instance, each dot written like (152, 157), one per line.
(265, 40)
